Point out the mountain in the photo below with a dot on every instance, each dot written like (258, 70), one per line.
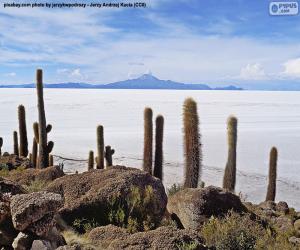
(146, 81)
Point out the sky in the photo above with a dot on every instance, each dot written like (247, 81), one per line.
(191, 41)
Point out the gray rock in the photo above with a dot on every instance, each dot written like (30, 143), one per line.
(297, 226)
(282, 207)
(268, 205)
(192, 207)
(91, 192)
(34, 211)
(41, 245)
(22, 242)
(294, 240)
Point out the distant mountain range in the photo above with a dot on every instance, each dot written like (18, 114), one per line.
(146, 81)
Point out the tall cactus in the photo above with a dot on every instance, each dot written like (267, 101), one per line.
(100, 148)
(45, 148)
(1, 144)
(159, 134)
(271, 192)
(108, 156)
(34, 153)
(192, 145)
(51, 160)
(148, 140)
(22, 131)
(91, 160)
(229, 178)
(16, 143)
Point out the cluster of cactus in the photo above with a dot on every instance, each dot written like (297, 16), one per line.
(148, 144)
(44, 146)
(229, 178)
(192, 145)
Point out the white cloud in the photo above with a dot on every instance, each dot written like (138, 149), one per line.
(11, 74)
(253, 71)
(76, 72)
(292, 68)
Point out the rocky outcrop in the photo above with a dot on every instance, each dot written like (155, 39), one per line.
(90, 194)
(27, 176)
(34, 212)
(192, 207)
(8, 187)
(14, 161)
(160, 238)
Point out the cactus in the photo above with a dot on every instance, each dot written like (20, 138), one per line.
(148, 140)
(45, 148)
(271, 192)
(229, 178)
(108, 156)
(1, 144)
(22, 131)
(34, 153)
(192, 146)
(16, 143)
(158, 160)
(100, 148)
(36, 131)
(51, 160)
(91, 160)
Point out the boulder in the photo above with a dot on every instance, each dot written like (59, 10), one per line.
(41, 245)
(27, 176)
(103, 236)
(297, 226)
(294, 240)
(282, 207)
(14, 161)
(190, 207)
(10, 187)
(160, 238)
(34, 212)
(92, 194)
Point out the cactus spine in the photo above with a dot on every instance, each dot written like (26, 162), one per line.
(91, 161)
(45, 148)
(108, 156)
(22, 131)
(16, 143)
(34, 153)
(1, 144)
(229, 178)
(158, 160)
(192, 146)
(100, 148)
(271, 192)
(148, 140)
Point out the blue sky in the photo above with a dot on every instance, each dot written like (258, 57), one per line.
(191, 41)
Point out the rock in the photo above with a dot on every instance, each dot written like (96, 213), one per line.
(73, 247)
(10, 187)
(90, 194)
(268, 205)
(283, 223)
(192, 207)
(41, 245)
(27, 176)
(4, 211)
(297, 226)
(14, 162)
(55, 238)
(34, 212)
(6, 237)
(160, 238)
(294, 240)
(103, 236)
(282, 207)
(22, 242)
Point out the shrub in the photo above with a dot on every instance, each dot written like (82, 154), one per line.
(134, 212)
(85, 225)
(188, 245)
(36, 186)
(174, 189)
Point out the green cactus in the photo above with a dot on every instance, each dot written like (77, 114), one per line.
(192, 145)
(45, 147)
(16, 143)
(148, 140)
(229, 178)
(51, 160)
(108, 156)
(91, 160)
(158, 160)
(34, 153)
(1, 144)
(271, 192)
(100, 148)
(22, 131)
